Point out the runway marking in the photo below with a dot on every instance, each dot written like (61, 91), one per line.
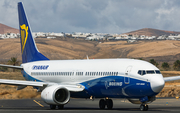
(38, 103)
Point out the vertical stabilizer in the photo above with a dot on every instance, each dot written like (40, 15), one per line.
(29, 50)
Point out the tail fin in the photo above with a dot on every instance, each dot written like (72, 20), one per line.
(29, 50)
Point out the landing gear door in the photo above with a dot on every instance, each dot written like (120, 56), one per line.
(127, 73)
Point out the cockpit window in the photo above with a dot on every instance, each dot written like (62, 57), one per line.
(139, 72)
(150, 72)
(157, 72)
(143, 72)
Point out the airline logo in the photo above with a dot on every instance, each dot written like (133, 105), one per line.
(24, 35)
(108, 84)
(40, 67)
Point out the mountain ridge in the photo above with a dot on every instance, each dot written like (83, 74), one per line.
(6, 29)
(151, 32)
(144, 31)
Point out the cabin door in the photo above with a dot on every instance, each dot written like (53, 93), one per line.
(127, 73)
(73, 76)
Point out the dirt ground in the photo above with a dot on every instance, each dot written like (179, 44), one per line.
(171, 89)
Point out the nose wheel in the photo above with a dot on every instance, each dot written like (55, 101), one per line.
(105, 102)
(144, 107)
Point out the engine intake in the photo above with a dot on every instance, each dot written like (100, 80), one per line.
(55, 94)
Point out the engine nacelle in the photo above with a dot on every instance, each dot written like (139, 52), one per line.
(56, 95)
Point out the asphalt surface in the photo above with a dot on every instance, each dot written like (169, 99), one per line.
(87, 106)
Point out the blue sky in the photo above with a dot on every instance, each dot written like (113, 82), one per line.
(94, 16)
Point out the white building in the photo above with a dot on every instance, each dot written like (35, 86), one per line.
(95, 37)
(56, 34)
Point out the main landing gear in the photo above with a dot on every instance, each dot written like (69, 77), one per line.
(54, 106)
(144, 107)
(105, 102)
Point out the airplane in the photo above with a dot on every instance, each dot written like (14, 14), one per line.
(59, 80)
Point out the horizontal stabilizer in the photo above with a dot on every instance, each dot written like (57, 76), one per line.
(166, 79)
(11, 66)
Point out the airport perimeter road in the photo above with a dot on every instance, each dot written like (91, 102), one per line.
(88, 106)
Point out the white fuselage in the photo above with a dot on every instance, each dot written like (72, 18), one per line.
(79, 71)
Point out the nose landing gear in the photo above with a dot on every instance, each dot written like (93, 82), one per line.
(144, 107)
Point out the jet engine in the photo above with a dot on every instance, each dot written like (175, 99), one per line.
(55, 95)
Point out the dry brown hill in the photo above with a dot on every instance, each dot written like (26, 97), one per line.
(151, 32)
(6, 29)
(162, 51)
(51, 48)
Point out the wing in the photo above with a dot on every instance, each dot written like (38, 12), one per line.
(11, 66)
(171, 78)
(22, 84)
(73, 87)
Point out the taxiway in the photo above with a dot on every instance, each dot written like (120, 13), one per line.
(161, 105)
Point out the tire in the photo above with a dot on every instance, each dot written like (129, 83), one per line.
(52, 106)
(144, 107)
(109, 103)
(102, 104)
(60, 106)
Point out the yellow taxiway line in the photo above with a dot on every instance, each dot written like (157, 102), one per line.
(38, 103)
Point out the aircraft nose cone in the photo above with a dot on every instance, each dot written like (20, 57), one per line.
(157, 83)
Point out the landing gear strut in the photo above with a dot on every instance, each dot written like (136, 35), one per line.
(144, 107)
(103, 103)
